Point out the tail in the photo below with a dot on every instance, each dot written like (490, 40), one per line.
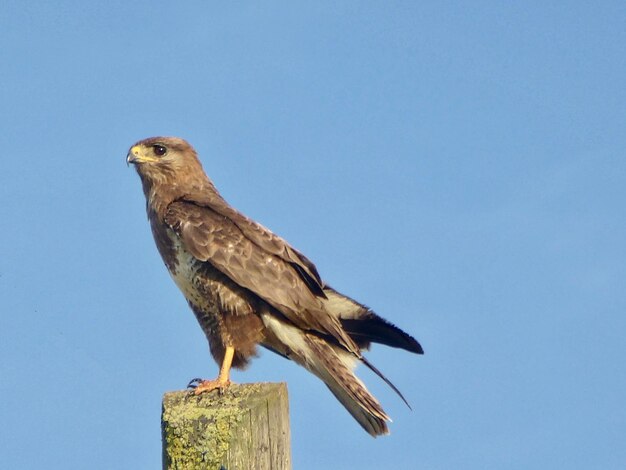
(334, 366)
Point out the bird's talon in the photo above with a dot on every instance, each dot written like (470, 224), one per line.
(210, 385)
(193, 383)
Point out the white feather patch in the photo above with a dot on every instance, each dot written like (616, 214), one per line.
(186, 270)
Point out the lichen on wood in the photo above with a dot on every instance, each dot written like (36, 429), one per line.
(245, 427)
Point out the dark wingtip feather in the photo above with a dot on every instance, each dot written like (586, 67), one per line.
(372, 328)
(417, 347)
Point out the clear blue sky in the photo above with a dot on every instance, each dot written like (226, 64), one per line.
(460, 169)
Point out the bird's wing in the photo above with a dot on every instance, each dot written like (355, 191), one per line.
(215, 238)
(263, 238)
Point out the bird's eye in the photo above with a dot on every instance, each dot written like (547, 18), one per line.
(159, 150)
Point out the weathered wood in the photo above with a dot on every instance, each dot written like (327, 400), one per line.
(246, 427)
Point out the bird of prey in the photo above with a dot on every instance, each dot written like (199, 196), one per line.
(249, 287)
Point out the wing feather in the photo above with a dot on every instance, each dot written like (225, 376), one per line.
(215, 238)
(261, 237)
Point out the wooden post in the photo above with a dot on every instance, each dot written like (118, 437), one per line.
(246, 427)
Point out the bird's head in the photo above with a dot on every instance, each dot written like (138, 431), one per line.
(166, 161)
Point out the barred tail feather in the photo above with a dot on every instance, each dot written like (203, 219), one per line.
(331, 364)
(334, 367)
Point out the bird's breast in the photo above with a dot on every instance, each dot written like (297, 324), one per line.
(187, 274)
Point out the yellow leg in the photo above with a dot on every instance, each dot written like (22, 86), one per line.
(226, 363)
(223, 379)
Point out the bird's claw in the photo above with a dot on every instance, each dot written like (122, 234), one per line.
(198, 386)
(193, 383)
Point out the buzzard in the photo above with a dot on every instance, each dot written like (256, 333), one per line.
(249, 287)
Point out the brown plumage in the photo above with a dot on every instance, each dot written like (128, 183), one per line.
(248, 286)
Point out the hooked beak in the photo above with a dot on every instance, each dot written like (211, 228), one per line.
(133, 155)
